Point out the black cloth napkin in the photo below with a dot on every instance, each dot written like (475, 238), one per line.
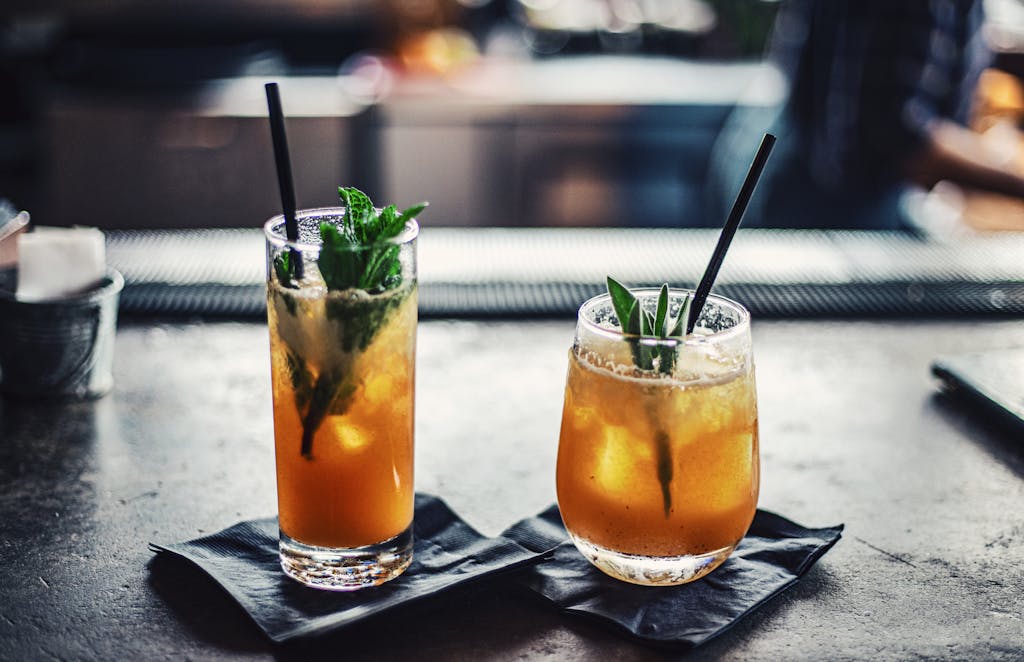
(243, 560)
(774, 554)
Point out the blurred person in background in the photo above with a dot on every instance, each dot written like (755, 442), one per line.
(880, 95)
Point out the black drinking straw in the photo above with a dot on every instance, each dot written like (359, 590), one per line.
(729, 231)
(284, 171)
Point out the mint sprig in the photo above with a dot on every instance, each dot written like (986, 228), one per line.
(355, 254)
(638, 322)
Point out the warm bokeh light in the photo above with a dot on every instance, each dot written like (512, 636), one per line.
(440, 51)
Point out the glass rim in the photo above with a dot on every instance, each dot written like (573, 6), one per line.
(409, 233)
(735, 331)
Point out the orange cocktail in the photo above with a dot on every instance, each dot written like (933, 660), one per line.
(355, 486)
(342, 346)
(658, 469)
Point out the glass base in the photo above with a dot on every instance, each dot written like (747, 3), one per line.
(651, 570)
(346, 568)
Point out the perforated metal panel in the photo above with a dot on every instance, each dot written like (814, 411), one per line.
(549, 272)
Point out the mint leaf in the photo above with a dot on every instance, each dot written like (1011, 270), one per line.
(321, 400)
(340, 265)
(302, 380)
(360, 319)
(359, 215)
(646, 322)
(632, 325)
(679, 328)
(623, 302)
(390, 223)
(633, 319)
(284, 269)
(662, 312)
(411, 212)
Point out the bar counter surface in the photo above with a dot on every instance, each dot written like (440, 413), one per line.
(853, 430)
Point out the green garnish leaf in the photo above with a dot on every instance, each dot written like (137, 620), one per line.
(355, 254)
(340, 266)
(640, 322)
(633, 323)
(321, 400)
(679, 329)
(411, 212)
(284, 269)
(661, 315)
(659, 325)
(390, 222)
(360, 217)
(646, 322)
(302, 380)
(624, 304)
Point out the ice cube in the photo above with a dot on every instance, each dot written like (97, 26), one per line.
(617, 458)
(351, 438)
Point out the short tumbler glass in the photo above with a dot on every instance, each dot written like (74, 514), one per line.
(658, 468)
(343, 373)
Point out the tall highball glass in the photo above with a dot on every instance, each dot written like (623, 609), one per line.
(343, 373)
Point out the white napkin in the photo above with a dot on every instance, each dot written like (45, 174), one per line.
(59, 262)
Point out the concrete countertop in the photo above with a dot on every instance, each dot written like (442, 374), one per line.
(931, 565)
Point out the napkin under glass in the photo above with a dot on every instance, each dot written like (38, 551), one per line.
(773, 555)
(537, 556)
(243, 560)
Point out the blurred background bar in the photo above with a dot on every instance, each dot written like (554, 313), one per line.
(131, 160)
(549, 143)
(149, 114)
